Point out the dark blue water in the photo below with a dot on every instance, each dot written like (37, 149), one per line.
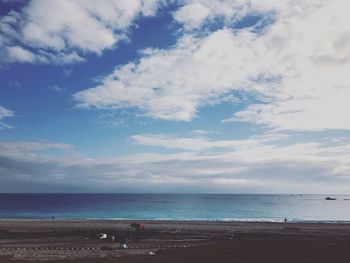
(175, 207)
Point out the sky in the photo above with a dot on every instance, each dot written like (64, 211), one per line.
(206, 96)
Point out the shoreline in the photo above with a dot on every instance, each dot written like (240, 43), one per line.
(116, 220)
(75, 241)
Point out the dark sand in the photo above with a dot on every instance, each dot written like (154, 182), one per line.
(73, 241)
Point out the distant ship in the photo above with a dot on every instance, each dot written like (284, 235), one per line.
(330, 198)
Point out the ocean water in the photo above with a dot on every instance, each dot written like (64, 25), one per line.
(220, 207)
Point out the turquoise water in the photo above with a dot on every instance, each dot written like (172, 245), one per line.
(175, 207)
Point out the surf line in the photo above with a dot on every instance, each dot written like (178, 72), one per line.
(96, 248)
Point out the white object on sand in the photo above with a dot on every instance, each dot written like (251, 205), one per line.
(124, 246)
(103, 236)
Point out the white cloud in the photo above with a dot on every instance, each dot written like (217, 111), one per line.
(264, 159)
(30, 148)
(256, 150)
(63, 31)
(327, 111)
(172, 84)
(201, 143)
(5, 113)
(202, 132)
(296, 69)
(19, 54)
(230, 12)
(192, 15)
(314, 56)
(56, 88)
(261, 167)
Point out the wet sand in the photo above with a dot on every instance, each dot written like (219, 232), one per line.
(76, 241)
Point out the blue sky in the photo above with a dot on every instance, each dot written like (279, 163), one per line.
(174, 96)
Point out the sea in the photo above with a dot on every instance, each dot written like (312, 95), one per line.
(202, 207)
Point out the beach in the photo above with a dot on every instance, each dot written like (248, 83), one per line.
(172, 241)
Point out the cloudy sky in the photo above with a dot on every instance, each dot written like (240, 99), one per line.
(219, 96)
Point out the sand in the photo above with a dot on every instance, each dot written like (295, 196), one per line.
(76, 241)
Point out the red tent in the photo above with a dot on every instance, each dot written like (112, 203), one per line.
(138, 226)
